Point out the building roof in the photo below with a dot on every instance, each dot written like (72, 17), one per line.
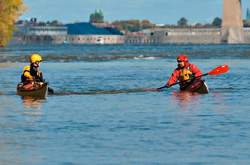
(87, 28)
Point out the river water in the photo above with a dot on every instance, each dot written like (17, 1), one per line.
(102, 113)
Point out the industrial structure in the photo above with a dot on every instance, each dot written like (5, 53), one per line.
(232, 22)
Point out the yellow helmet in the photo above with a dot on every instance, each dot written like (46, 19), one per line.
(34, 58)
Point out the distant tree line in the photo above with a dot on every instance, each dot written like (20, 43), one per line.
(216, 23)
(132, 25)
(137, 25)
(124, 25)
(52, 23)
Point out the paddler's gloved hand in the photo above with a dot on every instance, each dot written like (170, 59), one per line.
(167, 86)
(191, 79)
(50, 90)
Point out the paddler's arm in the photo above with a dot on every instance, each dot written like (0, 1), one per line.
(39, 76)
(173, 79)
(196, 71)
(26, 73)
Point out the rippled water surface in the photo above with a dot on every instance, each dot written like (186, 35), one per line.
(101, 111)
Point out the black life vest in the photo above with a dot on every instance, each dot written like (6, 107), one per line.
(34, 72)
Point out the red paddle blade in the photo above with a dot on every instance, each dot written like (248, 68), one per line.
(152, 89)
(219, 70)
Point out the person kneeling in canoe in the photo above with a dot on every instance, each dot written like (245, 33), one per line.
(185, 73)
(31, 74)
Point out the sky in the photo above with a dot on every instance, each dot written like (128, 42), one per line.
(156, 11)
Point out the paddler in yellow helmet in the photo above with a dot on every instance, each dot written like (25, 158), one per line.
(31, 73)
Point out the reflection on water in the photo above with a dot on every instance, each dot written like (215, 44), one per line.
(219, 100)
(32, 103)
(189, 100)
(183, 98)
(7, 65)
(220, 96)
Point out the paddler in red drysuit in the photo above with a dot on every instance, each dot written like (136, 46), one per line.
(186, 73)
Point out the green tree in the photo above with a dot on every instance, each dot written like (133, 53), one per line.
(132, 25)
(41, 24)
(10, 11)
(217, 22)
(198, 25)
(119, 27)
(54, 23)
(248, 15)
(146, 24)
(182, 22)
(97, 17)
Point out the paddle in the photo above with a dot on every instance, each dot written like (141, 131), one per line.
(219, 70)
(50, 90)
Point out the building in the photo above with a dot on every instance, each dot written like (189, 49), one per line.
(177, 35)
(40, 30)
(182, 35)
(69, 33)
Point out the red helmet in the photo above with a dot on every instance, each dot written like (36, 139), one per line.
(182, 58)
